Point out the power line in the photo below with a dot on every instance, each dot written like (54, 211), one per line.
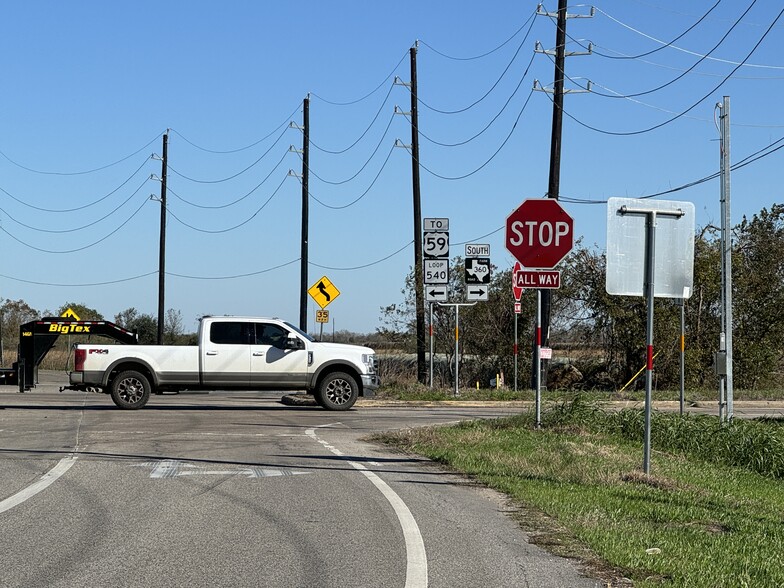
(60, 231)
(503, 73)
(237, 226)
(232, 203)
(80, 284)
(369, 94)
(79, 173)
(145, 201)
(503, 108)
(231, 177)
(641, 131)
(340, 151)
(517, 32)
(237, 150)
(361, 196)
(101, 199)
(665, 45)
(493, 156)
(727, 61)
(680, 76)
(361, 169)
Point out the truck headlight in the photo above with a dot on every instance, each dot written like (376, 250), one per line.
(369, 359)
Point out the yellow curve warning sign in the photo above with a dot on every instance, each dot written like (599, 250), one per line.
(323, 292)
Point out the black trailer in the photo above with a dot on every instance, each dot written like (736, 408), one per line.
(36, 338)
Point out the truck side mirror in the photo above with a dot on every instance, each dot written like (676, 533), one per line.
(294, 342)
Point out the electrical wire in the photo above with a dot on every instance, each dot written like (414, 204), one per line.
(231, 177)
(340, 151)
(60, 231)
(237, 150)
(237, 226)
(749, 159)
(676, 117)
(369, 94)
(361, 196)
(101, 199)
(146, 200)
(79, 173)
(357, 267)
(675, 79)
(460, 110)
(80, 284)
(235, 276)
(241, 198)
(503, 108)
(517, 32)
(361, 169)
(665, 45)
(493, 156)
(727, 61)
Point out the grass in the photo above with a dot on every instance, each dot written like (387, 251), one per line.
(710, 514)
(412, 391)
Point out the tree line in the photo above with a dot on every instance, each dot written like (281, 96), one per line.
(599, 340)
(14, 313)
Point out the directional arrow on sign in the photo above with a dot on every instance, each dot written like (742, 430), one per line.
(477, 294)
(435, 294)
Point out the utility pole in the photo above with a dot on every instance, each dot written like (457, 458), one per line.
(162, 248)
(554, 181)
(725, 338)
(303, 286)
(418, 283)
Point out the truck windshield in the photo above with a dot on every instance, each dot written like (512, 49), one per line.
(300, 331)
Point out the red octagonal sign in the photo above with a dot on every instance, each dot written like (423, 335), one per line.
(539, 233)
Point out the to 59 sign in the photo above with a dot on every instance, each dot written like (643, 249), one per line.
(436, 244)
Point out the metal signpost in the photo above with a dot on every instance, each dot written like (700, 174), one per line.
(539, 233)
(639, 264)
(518, 308)
(435, 246)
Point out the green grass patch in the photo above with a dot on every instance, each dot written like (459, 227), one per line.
(710, 514)
(420, 392)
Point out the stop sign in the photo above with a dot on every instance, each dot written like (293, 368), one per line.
(539, 233)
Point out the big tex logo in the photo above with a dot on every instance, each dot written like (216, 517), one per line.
(64, 328)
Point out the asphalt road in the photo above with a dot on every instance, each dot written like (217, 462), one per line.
(237, 489)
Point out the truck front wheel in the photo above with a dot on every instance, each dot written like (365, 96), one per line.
(338, 391)
(130, 390)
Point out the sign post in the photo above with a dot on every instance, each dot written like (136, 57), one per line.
(669, 274)
(539, 233)
(435, 245)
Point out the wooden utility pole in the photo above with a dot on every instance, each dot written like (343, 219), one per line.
(303, 289)
(162, 248)
(418, 280)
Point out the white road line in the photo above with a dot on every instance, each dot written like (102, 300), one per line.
(416, 558)
(46, 480)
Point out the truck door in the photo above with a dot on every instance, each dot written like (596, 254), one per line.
(226, 354)
(271, 364)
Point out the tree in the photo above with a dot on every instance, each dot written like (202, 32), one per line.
(172, 327)
(84, 312)
(144, 324)
(13, 313)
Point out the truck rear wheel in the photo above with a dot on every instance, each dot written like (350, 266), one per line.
(130, 390)
(337, 391)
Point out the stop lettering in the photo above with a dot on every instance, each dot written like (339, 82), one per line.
(539, 233)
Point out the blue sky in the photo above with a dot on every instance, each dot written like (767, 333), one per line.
(90, 87)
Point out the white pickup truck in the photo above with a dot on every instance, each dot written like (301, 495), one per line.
(234, 352)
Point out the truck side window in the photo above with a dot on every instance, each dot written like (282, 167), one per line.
(267, 334)
(228, 333)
